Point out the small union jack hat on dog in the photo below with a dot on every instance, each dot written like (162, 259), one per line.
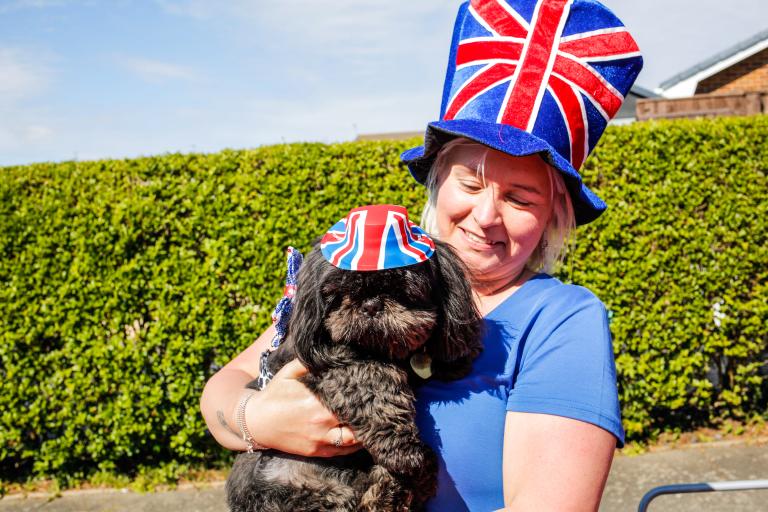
(376, 237)
(534, 76)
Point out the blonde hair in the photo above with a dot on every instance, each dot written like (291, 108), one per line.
(552, 247)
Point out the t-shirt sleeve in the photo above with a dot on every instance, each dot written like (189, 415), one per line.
(565, 362)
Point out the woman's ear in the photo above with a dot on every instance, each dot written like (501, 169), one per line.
(456, 340)
(306, 333)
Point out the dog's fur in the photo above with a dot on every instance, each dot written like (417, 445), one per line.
(355, 332)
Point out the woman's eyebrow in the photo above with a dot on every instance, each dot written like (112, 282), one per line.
(465, 169)
(528, 188)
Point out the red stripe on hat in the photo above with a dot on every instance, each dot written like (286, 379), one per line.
(534, 68)
(420, 236)
(417, 253)
(488, 49)
(486, 79)
(601, 45)
(574, 118)
(375, 224)
(594, 86)
(351, 235)
(498, 18)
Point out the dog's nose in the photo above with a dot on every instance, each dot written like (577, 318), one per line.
(372, 307)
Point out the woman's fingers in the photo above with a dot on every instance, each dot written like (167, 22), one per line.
(332, 451)
(339, 441)
(342, 436)
(292, 370)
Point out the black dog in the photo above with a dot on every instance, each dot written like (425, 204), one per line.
(356, 332)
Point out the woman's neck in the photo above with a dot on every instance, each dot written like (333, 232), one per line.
(488, 295)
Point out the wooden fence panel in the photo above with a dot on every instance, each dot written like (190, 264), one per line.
(703, 105)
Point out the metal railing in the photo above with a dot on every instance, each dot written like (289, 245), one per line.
(734, 485)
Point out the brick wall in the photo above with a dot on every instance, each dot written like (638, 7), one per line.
(749, 75)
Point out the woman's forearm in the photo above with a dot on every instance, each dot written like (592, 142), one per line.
(218, 403)
(224, 390)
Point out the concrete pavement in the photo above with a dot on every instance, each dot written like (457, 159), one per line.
(630, 479)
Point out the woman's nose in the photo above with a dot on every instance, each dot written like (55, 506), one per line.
(486, 212)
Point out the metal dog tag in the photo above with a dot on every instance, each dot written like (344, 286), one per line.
(422, 365)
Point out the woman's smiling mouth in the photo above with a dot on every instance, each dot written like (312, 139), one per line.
(478, 240)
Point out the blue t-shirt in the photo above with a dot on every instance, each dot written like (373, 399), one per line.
(547, 349)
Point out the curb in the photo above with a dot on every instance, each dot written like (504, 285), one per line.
(214, 484)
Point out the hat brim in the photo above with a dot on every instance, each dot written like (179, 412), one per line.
(587, 206)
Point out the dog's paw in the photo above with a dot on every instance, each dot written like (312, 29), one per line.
(383, 494)
(413, 460)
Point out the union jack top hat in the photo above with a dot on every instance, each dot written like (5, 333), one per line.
(534, 76)
(376, 237)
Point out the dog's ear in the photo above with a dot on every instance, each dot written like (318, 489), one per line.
(306, 334)
(456, 340)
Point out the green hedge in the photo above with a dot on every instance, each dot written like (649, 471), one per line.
(127, 283)
(681, 261)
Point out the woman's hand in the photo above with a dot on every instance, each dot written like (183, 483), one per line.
(286, 416)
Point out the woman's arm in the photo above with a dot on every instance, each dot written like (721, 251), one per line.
(285, 416)
(223, 390)
(553, 463)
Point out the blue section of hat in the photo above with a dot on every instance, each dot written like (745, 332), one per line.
(549, 135)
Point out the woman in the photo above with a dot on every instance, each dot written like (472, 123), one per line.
(529, 89)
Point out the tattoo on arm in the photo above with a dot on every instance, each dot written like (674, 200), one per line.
(223, 422)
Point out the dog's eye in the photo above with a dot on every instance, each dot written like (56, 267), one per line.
(416, 290)
(329, 290)
(328, 294)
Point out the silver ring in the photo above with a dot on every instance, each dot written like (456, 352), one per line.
(337, 443)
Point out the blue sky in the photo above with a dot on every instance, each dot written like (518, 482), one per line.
(85, 79)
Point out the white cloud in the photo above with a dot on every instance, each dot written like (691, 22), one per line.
(267, 121)
(155, 71)
(17, 5)
(231, 122)
(36, 132)
(22, 75)
(24, 135)
(350, 27)
(198, 9)
(27, 132)
(674, 36)
(347, 19)
(25, 76)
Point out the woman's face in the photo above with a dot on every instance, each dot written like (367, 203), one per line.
(493, 220)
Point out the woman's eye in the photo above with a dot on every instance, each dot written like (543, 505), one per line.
(470, 186)
(518, 200)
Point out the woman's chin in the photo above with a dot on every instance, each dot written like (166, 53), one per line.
(492, 272)
(483, 269)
